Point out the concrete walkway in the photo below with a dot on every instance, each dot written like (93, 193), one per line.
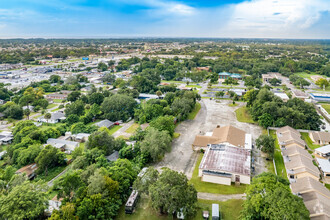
(220, 197)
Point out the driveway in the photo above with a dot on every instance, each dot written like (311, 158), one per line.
(182, 158)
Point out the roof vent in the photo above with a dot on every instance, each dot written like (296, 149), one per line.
(218, 126)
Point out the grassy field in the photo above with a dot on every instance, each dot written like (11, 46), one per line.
(232, 105)
(51, 106)
(306, 75)
(308, 141)
(194, 112)
(57, 100)
(212, 187)
(132, 128)
(279, 163)
(114, 129)
(230, 210)
(328, 186)
(164, 81)
(194, 86)
(326, 107)
(243, 115)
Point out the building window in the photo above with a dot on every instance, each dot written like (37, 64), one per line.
(291, 176)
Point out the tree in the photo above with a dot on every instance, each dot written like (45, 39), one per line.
(102, 66)
(73, 96)
(266, 144)
(143, 183)
(102, 184)
(172, 193)
(164, 123)
(49, 157)
(54, 79)
(68, 185)
(101, 140)
(25, 201)
(275, 82)
(27, 112)
(323, 83)
(269, 197)
(14, 111)
(159, 93)
(96, 98)
(219, 94)
(76, 107)
(230, 81)
(156, 143)
(118, 107)
(109, 78)
(48, 116)
(266, 120)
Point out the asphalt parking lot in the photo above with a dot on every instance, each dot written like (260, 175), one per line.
(182, 158)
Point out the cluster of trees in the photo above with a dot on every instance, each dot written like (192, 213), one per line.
(299, 81)
(270, 110)
(269, 197)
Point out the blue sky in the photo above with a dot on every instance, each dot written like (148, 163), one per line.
(165, 18)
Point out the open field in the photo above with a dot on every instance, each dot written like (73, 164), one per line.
(113, 129)
(308, 141)
(279, 163)
(243, 115)
(307, 75)
(230, 210)
(213, 187)
(326, 107)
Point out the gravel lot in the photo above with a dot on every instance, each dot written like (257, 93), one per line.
(182, 158)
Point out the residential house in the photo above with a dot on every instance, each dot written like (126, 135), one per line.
(29, 170)
(269, 76)
(315, 196)
(53, 204)
(64, 145)
(113, 157)
(104, 123)
(288, 136)
(56, 96)
(319, 137)
(224, 164)
(224, 135)
(323, 152)
(295, 150)
(55, 118)
(324, 165)
(299, 166)
(80, 137)
(282, 96)
(6, 137)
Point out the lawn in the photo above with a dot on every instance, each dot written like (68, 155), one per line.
(326, 107)
(57, 100)
(164, 81)
(306, 75)
(232, 105)
(243, 115)
(132, 128)
(308, 141)
(279, 163)
(194, 86)
(213, 187)
(230, 210)
(114, 129)
(328, 186)
(195, 111)
(51, 106)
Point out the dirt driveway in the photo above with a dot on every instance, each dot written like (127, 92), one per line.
(182, 158)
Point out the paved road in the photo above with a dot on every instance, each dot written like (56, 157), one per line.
(220, 197)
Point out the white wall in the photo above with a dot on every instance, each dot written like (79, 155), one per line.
(217, 179)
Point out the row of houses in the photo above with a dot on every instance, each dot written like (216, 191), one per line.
(227, 156)
(303, 175)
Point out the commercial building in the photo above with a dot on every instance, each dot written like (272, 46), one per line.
(225, 75)
(224, 164)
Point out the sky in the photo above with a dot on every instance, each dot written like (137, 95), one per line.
(298, 19)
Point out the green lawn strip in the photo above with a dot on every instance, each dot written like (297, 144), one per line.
(270, 166)
(176, 135)
(279, 163)
(132, 128)
(51, 106)
(232, 105)
(326, 107)
(52, 173)
(57, 100)
(181, 82)
(194, 86)
(229, 210)
(194, 112)
(114, 129)
(213, 187)
(328, 186)
(243, 115)
(308, 141)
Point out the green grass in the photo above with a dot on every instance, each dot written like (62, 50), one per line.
(132, 128)
(308, 141)
(176, 135)
(57, 100)
(194, 112)
(306, 75)
(213, 187)
(53, 172)
(230, 210)
(279, 163)
(326, 107)
(243, 115)
(270, 166)
(164, 81)
(194, 86)
(51, 106)
(113, 129)
(328, 186)
(232, 105)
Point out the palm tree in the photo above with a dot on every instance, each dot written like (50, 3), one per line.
(27, 113)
